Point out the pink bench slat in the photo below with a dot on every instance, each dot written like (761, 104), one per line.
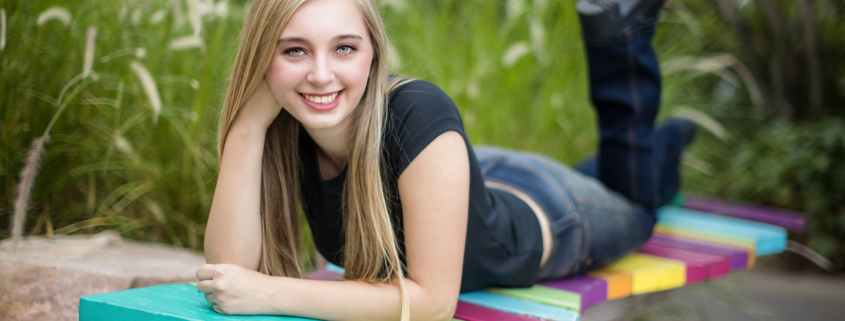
(323, 274)
(790, 220)
(473, 312)
(738, 257)
(700, 266)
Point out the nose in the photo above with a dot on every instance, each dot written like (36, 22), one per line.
(321, 74)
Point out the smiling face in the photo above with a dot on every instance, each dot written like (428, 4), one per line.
(321, 64)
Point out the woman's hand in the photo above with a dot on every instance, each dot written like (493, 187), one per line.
(260, 109)
(232, 289)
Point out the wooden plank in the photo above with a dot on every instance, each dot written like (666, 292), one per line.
(650, 273)
(790, 220)
(738, 257)
(769, 239)
(518, 306)
(700, 266)
(593, 290)
(746, 245)
(542, 294)
(170, 302)
(334, 268)
(325, 275)
(474, 312)
(618, 283)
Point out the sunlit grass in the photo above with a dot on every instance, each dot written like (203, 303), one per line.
(134, 150)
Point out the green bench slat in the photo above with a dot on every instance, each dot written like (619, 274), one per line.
(543, 294)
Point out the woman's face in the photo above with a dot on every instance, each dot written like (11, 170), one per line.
(321, 63)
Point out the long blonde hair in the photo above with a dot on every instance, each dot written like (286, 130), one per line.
(370, 252)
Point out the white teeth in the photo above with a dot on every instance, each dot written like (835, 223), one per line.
(321, 99)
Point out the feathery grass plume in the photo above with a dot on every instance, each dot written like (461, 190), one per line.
(702, 120)
(149, 87)
(138, 52)
(221, 10)
(136, 17)
(178, 17)
(55, 13)
(538, 38)
(398, 5)
(394, 62)
(717, 63)
(2, 29)
(124, 146)
(30, 171)
(540, 5)
(513, 53)
(514, 8)
(158, 16)
(90, 41)
(188, 43)
(693, 161)
(194, 16)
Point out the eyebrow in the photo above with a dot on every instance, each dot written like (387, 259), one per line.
(300, 39)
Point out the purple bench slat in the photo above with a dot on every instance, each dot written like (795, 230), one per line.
(738, 258)
(323, 274)
(592, 290)
(473, 312)
(700, 266)
(790, 220)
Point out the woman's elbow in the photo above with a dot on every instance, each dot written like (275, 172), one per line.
(443, 309)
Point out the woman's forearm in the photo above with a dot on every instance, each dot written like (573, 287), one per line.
(356, 300)
(233, 233)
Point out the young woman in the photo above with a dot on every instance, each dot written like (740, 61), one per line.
(390, 185)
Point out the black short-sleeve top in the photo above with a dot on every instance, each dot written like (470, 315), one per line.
(503, 240)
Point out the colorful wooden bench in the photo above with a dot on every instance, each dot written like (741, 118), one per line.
(689, 246)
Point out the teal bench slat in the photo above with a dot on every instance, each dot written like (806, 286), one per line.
(334, 268)
(768, 239)
(170, 302)
(519, 306)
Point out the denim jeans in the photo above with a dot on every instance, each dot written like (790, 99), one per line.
(606, 208)
(582, 212)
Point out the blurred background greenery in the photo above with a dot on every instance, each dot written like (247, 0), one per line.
(133, 144)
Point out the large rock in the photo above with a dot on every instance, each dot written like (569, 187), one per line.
(44, 278)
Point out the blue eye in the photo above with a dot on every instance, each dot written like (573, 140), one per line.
(295, 51)
(345, 49)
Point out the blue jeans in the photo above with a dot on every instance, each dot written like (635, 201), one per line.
(591, 224)
(606, 208)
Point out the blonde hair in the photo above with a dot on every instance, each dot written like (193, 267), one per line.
(371, 252)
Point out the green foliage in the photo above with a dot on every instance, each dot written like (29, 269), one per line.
(790, 166)
(515, 69)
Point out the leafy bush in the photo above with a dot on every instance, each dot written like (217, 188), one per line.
(801, 167)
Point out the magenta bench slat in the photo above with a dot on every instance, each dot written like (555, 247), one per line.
(592, 290)
(473, 312)
(700, 266)
(738, 258)
(790, 220)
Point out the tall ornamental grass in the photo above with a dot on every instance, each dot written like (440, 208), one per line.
(133, 90)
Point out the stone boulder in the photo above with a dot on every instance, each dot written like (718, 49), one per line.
(45, 277)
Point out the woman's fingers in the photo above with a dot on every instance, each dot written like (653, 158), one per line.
(206, 272)
(206, 286)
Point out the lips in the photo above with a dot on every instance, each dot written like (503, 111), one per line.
(322, 102)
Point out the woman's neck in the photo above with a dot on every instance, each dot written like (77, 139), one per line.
(332, 148)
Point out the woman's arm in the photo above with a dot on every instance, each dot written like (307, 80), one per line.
(435, 201)
(434, 190)
(233, 233)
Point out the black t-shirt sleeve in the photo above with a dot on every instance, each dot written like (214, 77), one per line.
(420, 112)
